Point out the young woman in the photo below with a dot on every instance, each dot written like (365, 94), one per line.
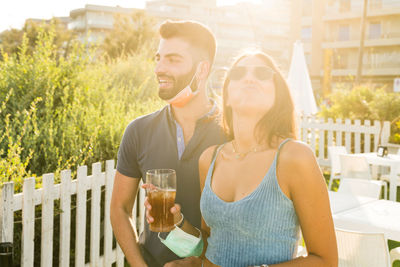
(261, 188)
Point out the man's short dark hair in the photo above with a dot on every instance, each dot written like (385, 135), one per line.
(195, 33)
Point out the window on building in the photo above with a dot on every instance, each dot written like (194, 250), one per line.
(374, 30)
(344, 33)
(344, 5)
(375, 4)
(306, 33)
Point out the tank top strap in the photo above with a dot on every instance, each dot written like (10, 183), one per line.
(211, 168)
(279, 150)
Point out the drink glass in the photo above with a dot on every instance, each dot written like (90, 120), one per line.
(161, 196)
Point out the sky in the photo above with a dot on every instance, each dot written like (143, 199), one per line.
(13, 13)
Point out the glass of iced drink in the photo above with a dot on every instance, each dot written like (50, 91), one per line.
(161, 196)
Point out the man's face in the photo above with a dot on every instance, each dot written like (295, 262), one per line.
(175, 67)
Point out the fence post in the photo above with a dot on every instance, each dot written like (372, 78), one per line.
(95, 214)
(377, 125)
(65, 218)
(46, 257)
(81, 194)
(367, 137)
(28, 222)
(108, 234)
(7, 212)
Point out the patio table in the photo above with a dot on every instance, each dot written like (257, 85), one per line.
(375, 216)
(392, 161)
(341, 201)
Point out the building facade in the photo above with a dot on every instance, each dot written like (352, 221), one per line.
(332, 31)
(93, 21)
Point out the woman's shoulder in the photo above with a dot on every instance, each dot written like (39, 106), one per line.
(296, 152)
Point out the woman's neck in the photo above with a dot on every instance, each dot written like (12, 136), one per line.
(244, 129)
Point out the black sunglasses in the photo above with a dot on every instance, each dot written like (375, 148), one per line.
(262, 73)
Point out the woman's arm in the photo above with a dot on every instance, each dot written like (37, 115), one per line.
(204, 164)
(300, 176)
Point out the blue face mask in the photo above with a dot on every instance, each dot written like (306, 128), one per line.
(183, 244)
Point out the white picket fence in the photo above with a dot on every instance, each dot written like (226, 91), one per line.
(46, 196)
(356, 137)
(318, 133)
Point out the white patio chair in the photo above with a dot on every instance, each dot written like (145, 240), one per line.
(362, 249)
(384, 173)
(359, 187)
(386, 178)
(356, 167)
(301, 251)
(333, 153)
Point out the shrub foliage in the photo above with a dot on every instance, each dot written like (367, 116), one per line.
(365, 103)
(58, 112)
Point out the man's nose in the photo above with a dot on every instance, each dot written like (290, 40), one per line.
(160, 67)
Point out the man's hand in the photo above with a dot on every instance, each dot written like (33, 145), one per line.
(191, 261)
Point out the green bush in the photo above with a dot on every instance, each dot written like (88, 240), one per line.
(60, 112)
(364, 103)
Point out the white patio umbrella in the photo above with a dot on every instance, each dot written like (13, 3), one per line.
(300, 83)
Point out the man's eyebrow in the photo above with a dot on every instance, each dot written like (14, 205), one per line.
(170, 55)
(173, 55)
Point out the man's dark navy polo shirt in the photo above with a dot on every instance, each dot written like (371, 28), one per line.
(150, 142)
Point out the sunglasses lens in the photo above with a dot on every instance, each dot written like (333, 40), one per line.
(237, 73)
(263, 73)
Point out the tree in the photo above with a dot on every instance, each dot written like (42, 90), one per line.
(11, 40)
(129, 33)
(365, 103)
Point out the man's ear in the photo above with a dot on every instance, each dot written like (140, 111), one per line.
(203, 69)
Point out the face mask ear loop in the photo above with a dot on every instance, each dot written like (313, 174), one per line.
(176, 225)
(194, 75)
(160, 236)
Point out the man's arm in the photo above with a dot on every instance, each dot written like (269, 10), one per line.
(123, 197)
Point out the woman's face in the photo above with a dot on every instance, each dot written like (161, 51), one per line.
(251, 88)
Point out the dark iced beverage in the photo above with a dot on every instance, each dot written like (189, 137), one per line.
(161, 193)
(161, 203)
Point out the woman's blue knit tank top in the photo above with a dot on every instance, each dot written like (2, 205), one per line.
(261, 228)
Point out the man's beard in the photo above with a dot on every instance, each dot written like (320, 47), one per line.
(180, 82)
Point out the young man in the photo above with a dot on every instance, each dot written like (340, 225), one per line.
(173, 137)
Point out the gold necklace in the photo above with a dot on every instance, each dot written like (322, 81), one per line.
(242, 155)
